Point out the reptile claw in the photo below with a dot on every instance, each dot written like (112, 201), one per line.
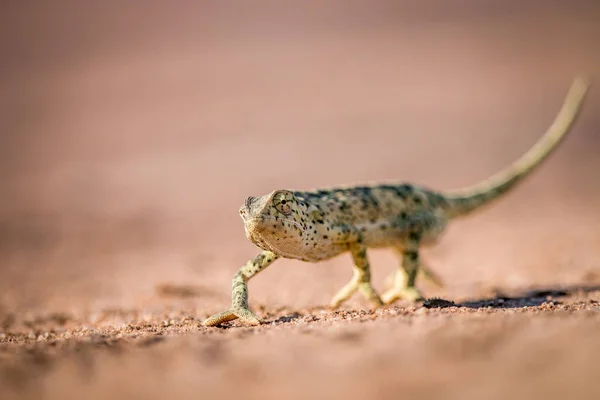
(245, 316)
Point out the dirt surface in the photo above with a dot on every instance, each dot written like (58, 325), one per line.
(131, 136)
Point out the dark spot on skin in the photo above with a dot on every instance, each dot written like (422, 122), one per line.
(325, 237)
(365, 195)
(401, 191)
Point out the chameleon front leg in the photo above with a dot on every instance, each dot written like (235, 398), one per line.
(239, 293)
(361, 280)
(404, 282)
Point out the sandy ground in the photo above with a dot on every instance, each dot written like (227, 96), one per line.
(131, 137)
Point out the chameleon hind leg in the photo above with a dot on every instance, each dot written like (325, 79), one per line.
(361, 281)
(239, 292)
(406, 275)
(425, 272)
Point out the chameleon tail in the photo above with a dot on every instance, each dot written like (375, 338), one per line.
(464, 201)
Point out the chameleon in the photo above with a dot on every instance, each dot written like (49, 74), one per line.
(319, 224)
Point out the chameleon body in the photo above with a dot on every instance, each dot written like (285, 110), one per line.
(317, 225)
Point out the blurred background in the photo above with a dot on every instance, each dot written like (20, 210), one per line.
(131, 134)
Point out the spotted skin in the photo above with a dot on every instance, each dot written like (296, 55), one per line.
(317, 225)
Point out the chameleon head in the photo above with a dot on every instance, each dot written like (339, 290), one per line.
(276, 222)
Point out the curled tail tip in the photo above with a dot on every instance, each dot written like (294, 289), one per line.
(581, 84)
(464, 201)
(574, 99)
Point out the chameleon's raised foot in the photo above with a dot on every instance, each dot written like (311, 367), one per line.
(246, 316)
(405, 293)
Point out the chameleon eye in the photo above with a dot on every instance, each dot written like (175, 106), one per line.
(284, 207)
(282, 203)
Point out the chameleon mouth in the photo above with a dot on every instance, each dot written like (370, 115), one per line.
(255, 222)
(251, 224)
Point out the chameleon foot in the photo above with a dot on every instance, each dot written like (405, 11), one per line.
(373, 297)
(425, 272)
(341, 296)
(246, 316)
(347, 291)
(406, 293)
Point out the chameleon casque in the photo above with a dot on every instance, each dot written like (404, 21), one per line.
(317, 225)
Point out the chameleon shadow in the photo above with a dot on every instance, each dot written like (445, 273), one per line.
(529, 298)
